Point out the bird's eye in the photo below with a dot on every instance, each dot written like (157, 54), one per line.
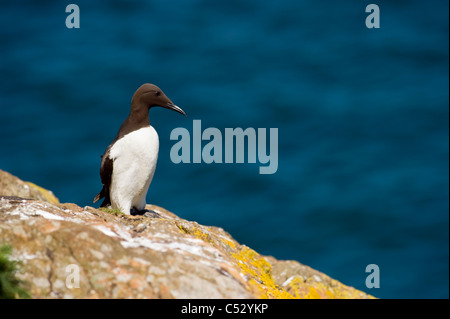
(158, 93)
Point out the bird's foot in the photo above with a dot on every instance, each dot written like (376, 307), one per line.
(145, 212)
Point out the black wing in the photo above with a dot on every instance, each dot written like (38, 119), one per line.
(106, 169)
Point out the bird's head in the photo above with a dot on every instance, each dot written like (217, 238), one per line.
(150, 95)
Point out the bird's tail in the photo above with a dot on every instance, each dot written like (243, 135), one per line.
(103, 193)
(100, 195)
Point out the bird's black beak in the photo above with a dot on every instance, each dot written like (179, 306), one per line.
(175, 108)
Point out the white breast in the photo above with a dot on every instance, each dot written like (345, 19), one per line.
(134, 161)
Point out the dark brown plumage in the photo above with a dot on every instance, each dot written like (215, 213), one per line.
(145, 97)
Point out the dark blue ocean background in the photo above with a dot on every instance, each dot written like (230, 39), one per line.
(362, 116)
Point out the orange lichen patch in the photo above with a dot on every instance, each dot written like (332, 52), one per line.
(139, 264)
(50, 226)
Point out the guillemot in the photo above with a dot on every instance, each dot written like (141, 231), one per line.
(129, 162)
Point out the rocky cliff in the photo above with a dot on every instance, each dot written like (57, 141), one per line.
(67, 251)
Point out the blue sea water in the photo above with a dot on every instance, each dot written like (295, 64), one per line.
(362, 117)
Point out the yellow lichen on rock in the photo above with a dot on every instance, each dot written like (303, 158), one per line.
(51, 198)
(256, 270)
(124, 256)
(259, 272)
(306, 283)
(11, 185)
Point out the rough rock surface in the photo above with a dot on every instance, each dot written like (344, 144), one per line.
(10, 185)
(67, 251)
